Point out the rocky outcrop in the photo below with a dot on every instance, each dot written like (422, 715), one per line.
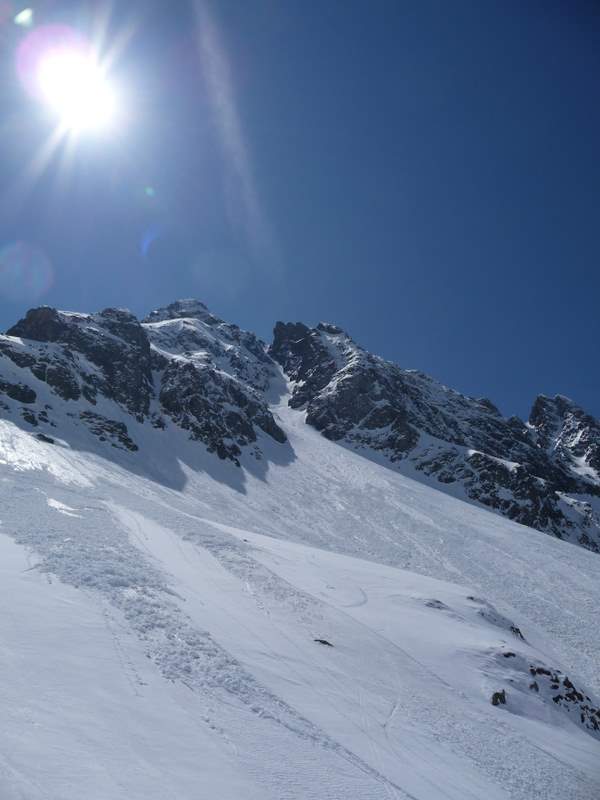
(533, 683)
(568, 434)
(182, 367)
(113, 343)
(17, 391)
(212, 377)
(109, 430)
(542, 473)
(214, 408)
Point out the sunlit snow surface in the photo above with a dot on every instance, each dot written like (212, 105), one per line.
(158, 634)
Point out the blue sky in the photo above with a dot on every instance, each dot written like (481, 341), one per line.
(425, 174)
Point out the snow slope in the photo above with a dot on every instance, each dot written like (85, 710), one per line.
(542, 473)
(161, 611)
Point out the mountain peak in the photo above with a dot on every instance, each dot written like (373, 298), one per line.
(329, 327)
(187, 308)
(42, 324)
(559, 404)
(548, 414)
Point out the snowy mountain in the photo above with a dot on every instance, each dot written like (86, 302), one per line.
(205, 596)
(206, 376)
(544, 473)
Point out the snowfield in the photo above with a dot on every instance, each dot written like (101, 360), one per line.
(162, 612)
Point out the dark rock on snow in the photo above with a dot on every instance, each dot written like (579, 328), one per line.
(184, 368)
(544, 473)
(182, 365)
(499, 698)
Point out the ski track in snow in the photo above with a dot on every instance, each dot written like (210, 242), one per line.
(110, 565)
(231, 615)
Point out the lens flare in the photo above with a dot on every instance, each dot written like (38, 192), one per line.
(25, 18)
(26, 273)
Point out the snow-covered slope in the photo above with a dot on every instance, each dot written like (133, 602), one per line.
(309, 624)
(543, 474)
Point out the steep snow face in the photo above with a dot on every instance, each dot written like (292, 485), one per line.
(324, 628)
(542, 474)
(104, 373)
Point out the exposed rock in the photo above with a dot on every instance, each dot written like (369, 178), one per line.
(29, 417)
(183, 309)
(491, 615)
(542, 474)
(570, 434)
(214, 408)
(112, 341)
(43, 324)
(549, 687)
(16, 354)
(499, 698)
(109, 430)
(436, 604)
(212, 377)
(567, 697)
(183, 365)
(18, 392)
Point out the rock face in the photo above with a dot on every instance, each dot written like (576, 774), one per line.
(181, 367)
(104, 354)
(212, 377)
(544, 473)
(569, 433)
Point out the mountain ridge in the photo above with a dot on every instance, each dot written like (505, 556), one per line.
(369, 403)
(167, 601)
(182, 366)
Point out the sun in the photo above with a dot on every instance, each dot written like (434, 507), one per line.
(73, 86)
(69, 74)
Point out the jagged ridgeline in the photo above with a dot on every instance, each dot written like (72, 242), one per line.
(544, 473)
(182, 368)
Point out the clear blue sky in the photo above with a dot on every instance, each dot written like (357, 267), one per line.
(425, 174)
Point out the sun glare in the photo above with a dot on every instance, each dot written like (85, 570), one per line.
(73, 86)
